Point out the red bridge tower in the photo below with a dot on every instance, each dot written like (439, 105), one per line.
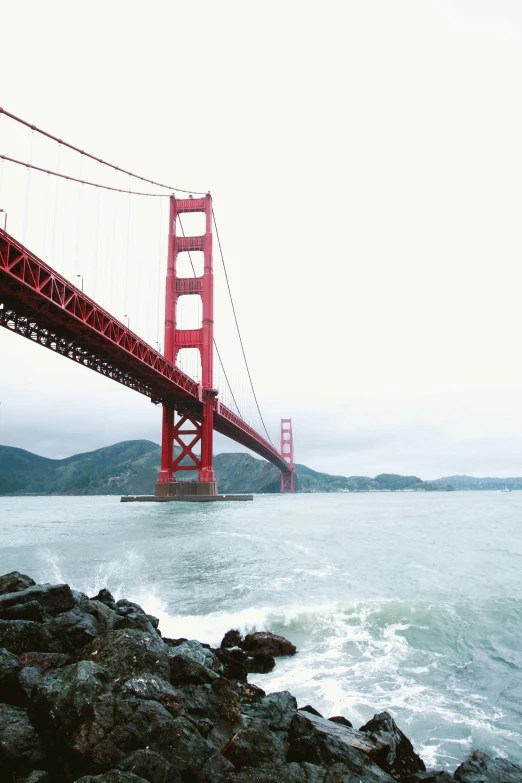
(287, 452)
(180, 426)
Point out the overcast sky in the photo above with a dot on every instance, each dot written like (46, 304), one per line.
(365, 161)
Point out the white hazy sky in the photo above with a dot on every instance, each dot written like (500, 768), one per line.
(365, 160)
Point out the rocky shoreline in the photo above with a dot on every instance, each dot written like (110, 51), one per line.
(90, 691)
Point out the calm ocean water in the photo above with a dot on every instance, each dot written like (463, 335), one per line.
(406, 602)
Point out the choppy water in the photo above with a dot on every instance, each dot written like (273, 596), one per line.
(405, 602)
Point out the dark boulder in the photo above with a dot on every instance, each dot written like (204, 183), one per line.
(268, 643)
(481, 768)
(36, 776)
(322, 742)
(434, 776)
(28, 611)
(195, 651)
(127, 653)
(276, 710)
(14, 581)
(105, 597)
(21, 749)
(255, 746)
(19, 636)
(149, 686)
(233, 668)
(188, 671)
(284, 773)
(44, 661)
(400, 760)
(112, 776)
(52, 599)
(341, 720)
(259, 663)
(150, 765)
(311, 710)
(10, 666)
(74, 629)
(62, 695)
(231, 639)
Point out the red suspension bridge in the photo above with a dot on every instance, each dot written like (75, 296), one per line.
(39, 303)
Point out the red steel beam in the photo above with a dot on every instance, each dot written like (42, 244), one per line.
(41, 305)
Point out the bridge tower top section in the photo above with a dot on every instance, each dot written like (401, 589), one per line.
(287, 452)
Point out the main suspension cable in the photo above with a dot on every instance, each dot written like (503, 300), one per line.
(81, 181)
(237, 325)
(93, 157)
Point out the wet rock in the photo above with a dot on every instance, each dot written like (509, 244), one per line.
(14, 581)
(255, 746)
(150, 765)
(28, 678)
(233, 668)
(21, 749)
(277, 710)
(322, 742)
(44, 661)
(259, 663)
(187, 670)
(28, 611)
(341, 720)
(195, 651)
(400, 760)
(19, 636)
(481, 768)
(268, 643)
(128, 653)
(10, 666)
(105, 597)
(285, 773)
(133, 616)
(311, 710)
(74, 629)
(149, 686)
(112, 776)
(250, 693)
(63, 694)
(231, 639)
(36, 776)
(430, 777)
(52, 599)
(215, 770)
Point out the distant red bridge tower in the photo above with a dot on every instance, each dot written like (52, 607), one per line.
(287, 452)
(180, 426)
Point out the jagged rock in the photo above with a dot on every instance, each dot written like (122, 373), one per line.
(341, 720)
(63, 694)
(233, 668)
(10, 666)
(151, 766)
(250, 693)
(14, 581)
(255, 746)
(28, 611)
(259, 663)
(21, 749)
(105, 597)
(437, 776)
(322, 742)
(19, 636)
(53, 599)
(44, 661)
(112, 776)
(285, 773)
(481, 768)
(195, 651)
(128, 653)
(311, 710)
(74, 629)
(149, 686)
(401, 760)
(28, 678)
(268, 643)
(134, 617)
(36, 776)
(231, 639)
(187, 670)
(277, 710)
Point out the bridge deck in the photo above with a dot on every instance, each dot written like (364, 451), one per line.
(41, 305)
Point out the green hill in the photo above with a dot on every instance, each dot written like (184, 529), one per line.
(131, 468)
